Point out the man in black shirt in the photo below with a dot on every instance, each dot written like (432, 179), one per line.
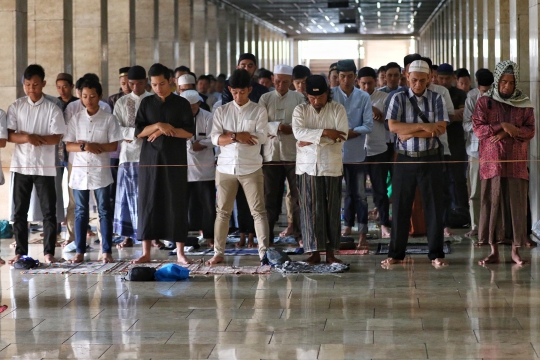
(248, 62)
(64, 86)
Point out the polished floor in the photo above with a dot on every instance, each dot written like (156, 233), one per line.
(412, 311)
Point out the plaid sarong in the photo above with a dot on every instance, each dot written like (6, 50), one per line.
(127, 193)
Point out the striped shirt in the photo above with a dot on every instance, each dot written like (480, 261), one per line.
(401, 109)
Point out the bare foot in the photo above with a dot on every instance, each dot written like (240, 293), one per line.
(107, 258)
(183, 260)
(373, 215)
(315, 258)
(363, 246)
(472, 233)
(216, 259)
(385, 232)
(491, 259)
(127, 243)
(90, 233)
(448, 232)
(13, 245)
(157, 244)
(391, 261)
(331, 258)
(79, 258)
(439, 263)
(289, 231)
(346, 231)
(300, 243)
(531, 243)
(242, 241)
(66, 243)
(516, 257)
(15, 259)
(143, 259)
(2, 261)
(210, 243)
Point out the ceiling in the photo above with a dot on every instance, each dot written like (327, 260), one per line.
(303, 17)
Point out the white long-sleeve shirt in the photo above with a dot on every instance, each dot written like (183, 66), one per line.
(472, 139)
(280, 109)
(40, 118)
(201, 163)
(323, 157)
(125, 111)
(3, 135)
(236, 158)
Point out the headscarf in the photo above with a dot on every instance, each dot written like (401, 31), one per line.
(518, 99)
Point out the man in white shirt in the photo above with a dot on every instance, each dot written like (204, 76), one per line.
(201, 171)
(300, 74)
(92, 135)
(3, 140)
(36, 126)
(320, 128)
(239, 129)
(73, 108)
(484, 79)
(279, 152)
(127, 192)
(377, 158)
(187, 82)
(203, 86)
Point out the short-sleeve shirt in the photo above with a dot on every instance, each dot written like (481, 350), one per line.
(40, 118)
(401, 109)
(92, 171)
(3, 135)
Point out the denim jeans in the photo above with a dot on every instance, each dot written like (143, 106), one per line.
(355, 196)
(82, 218)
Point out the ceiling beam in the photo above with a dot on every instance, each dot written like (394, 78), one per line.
(317, 36)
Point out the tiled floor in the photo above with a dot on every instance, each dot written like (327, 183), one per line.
(412, 311)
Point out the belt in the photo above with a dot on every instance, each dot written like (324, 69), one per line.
(417, 154)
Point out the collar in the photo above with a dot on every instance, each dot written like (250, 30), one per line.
(241, 107)
(137, 97)
(347, 96)
(424, 95)
(282, 96)
(37, 103)
(88, 116)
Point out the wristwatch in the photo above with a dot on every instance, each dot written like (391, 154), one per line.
(82, 146)
(233, 137)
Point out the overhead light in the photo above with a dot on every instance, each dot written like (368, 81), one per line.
(256, 6)
(412, 21)
(357, 1)
(397, 9)
(336, 29)
(379, 26)
(379, 21)
(301, 24)
(396, 17)
(324, 31)
(349, 25)
(283, 11)
(414, 13)
(293, 18)
(394, 23)
(332, 24)
(378, 5)
(313, 21)
(270, 14)
(409, 26)
(290, 27)
(378, 13)
(306, 14)
(327, 18)
(270, 1)
(281, 22)
(308, 29)
(320, 10)
(298, 32)
(399, 2)
(361, 17)
(363, 24)
(296, 6)
(359, 9)
(419, 4)
(319, 26)
(313, 1)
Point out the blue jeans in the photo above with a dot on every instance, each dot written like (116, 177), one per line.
(82, 218)
(355, 196)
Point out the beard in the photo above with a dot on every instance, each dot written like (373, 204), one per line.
(505, 96)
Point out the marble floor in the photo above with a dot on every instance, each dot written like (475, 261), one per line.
(412, 311)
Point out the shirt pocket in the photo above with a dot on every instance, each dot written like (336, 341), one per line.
(280, 115)
(248, 125)
(99, 136)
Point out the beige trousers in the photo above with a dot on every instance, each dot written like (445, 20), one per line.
(227, 187)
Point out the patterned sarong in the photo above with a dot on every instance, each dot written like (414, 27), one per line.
(127, 192)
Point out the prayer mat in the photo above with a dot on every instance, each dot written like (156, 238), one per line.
(230, 270)
(412, 249)
(65, 268)
(297, 267)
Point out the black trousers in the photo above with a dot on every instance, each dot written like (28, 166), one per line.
(355, 202)
(246, 224)
(112, 188)
(378, 173)
(428, 176)
(202, 207)
(457, 172)
(46, 191)
(275, 174)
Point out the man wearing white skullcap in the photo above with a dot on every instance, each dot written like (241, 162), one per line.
(416, 115)
(187, 82)
(201, 191)
(280, 150)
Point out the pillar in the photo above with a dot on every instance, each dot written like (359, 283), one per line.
(144, 33)
(249, 36)
(50, 36)
(184, 32)
(479, 26)
(211, 38)
(241, 36)
(233, 47)
(454, 19)
(502, 30)
(198, 37)
(519, 39)
(489, 34)
(223, 42)
(119, 40)
(90, 37)
(166, 40)
(534, 69)
(256, 41)
(461, 43)
(14, 29)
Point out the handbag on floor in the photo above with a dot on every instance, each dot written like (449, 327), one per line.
(140, 273)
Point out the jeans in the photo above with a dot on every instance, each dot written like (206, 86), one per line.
(355, 196)
(82, 218)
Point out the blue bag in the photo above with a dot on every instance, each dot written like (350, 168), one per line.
(6, 230)
(171, 272)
